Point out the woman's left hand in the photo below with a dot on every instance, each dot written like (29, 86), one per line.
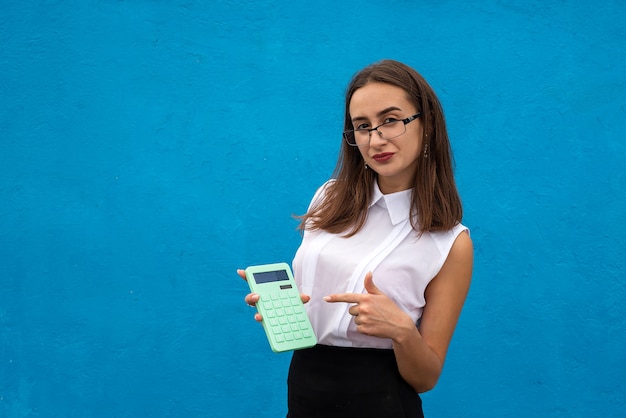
(374, 312)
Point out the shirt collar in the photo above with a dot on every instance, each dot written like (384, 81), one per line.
(398, 204)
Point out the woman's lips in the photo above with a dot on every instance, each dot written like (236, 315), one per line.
(381, 158)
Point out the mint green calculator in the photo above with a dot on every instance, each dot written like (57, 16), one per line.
(285, 321)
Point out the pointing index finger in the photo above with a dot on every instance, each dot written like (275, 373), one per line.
(344, 297)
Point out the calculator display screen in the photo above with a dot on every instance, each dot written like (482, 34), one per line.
(271, 276)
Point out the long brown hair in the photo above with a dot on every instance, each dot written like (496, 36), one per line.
(435, 206)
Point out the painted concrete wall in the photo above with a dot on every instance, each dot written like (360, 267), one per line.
(148, 149)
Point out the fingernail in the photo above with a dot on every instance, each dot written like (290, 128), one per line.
(326, 298)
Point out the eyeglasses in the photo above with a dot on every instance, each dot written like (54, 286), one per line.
(387, 130)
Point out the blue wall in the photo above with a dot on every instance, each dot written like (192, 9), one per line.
(149, 149)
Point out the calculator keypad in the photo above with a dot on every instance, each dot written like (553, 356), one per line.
(285, 318)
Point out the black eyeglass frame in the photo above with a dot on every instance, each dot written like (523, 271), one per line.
(369, 131)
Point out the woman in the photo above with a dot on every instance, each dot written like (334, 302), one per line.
(385, 264)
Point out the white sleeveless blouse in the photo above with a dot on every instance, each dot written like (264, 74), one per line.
(401, 262)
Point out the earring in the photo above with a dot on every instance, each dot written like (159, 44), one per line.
(366, 166)
(426, 148)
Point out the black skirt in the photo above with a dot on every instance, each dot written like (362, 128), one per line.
(343, 382)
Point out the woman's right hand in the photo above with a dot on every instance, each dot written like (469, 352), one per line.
(252, 298)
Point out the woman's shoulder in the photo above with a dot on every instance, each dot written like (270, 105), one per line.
(445, 239)
(321, 191)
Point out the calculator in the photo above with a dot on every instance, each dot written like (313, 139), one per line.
(285, 321)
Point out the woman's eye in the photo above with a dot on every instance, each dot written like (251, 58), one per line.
(390, 120)
(362, 126)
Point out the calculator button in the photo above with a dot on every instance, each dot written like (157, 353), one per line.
(280, 338)
(273, 322)
(297, 335)
(280, 312)
(288, 311)
(286, 328)
(292, 319)
(274, 296)
(294, 327)
(288, 337)
(303, 325)
(277, 304)
(270, 314)
(306, 334)
(282, 320)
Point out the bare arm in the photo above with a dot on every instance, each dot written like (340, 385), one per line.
(420, 354)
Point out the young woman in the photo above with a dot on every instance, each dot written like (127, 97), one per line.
(385, 263)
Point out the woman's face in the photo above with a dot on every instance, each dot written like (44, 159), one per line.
(395, 160)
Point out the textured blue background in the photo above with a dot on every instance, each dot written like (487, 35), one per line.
(148, 149)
